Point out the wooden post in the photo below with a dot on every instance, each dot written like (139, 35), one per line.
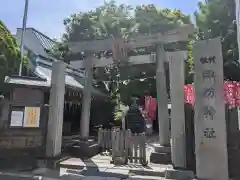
(113, 144)
(127, 143)
(140, 148)
(135, 147)
(131, 147)
(100, 138)
(144, 162)
(107, 140)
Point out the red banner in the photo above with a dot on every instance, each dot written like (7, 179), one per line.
(237, 94)
(189, 94)
(150, 107)
(231, 97)
(231, 94)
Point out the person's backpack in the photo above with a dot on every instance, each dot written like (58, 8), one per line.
(134, 120)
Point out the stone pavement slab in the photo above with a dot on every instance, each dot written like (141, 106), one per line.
(145, 178)
(104, 162)
(117, 171)
(79, 163)
(7, 177)
(100, 178)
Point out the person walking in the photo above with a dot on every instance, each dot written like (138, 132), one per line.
(134, 119)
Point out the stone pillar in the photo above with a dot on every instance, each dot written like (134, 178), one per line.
(86, 102)
(176, 70)
(210, 125)
(162, 97)
(161, 153)
(55, 121)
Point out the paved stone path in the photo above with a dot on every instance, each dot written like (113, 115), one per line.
(97, 168)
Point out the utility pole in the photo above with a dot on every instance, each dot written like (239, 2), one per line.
(22, 36)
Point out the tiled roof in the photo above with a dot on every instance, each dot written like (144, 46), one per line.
(69, 69)
(41, 66)
(46, 72)
(45, 41)
(43, 70)
(26, 81)
(36, 41)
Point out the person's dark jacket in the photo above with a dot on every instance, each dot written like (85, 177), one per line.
(134, 120)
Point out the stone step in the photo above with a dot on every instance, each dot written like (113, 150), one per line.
(160, 158)
(84, 150)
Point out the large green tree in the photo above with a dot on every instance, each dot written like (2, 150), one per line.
(9, 55)
(217, 18)
(113, 20)
(107, 20)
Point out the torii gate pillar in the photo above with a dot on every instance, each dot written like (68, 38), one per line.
(162, 97)
(55, 122)
(162, 151)
(85, 116)
(178, 133)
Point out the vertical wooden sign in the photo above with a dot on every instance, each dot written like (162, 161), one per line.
(210, 125)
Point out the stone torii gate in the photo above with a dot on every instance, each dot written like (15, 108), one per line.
(176, 64)
(210, 124)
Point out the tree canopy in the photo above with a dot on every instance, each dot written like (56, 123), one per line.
(113, 20)
(217, 18)
(9, 54)
(214, 18)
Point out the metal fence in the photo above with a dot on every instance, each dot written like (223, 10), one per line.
(123, 144)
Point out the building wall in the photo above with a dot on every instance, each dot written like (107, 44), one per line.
(28, 95)
(25, 96)
(4, 113)
(22, 141)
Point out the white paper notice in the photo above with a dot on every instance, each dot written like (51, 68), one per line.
(16, 119)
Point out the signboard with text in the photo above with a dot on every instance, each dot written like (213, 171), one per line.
(31, 117)
(16, 119)
(210, 125)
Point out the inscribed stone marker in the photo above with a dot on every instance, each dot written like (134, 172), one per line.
(210, 125)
